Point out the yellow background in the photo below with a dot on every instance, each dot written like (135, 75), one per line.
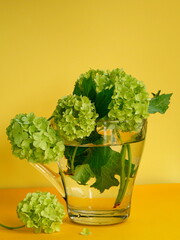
(46, 44)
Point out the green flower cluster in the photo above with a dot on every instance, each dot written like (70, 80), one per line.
(129, 103)
(101, 79)
(41, 211)
(75, 117)
(34, 139)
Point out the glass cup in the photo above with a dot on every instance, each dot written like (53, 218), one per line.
(96, 178)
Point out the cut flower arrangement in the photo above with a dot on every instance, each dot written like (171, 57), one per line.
(110, 100)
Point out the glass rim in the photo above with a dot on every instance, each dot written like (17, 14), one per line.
(117, 121)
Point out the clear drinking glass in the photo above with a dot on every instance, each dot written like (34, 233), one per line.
(113, 160)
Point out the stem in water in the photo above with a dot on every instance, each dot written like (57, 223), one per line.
(128, 170)
(122, 176)
(125, 176)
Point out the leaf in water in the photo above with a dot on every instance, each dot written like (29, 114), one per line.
(105, 165)
(101, 163)
(159, 103)
(80, 157)
(82, 174)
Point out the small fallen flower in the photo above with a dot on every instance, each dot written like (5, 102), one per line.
(85, 232)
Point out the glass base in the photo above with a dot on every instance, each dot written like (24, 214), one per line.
(99, 217)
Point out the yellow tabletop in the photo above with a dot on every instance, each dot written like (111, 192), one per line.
(155, 215)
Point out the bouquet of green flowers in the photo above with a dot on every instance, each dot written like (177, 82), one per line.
(98, 96)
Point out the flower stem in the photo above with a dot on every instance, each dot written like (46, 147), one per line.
(119, 136)
(72, 160)
(11, 228)
(128, 170)
(50, 118)
(122, 176)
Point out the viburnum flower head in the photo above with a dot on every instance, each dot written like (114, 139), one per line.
(41, 211)
(130, 101)
(75, 117)
(101, 79)
(34, 139)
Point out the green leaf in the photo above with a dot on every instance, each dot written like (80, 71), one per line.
(156, 94)
(87, 88)
(81, 154)
(77, 90)
(102, 102)
(82, 174)
(159, 103)
(105, 164)
(101, 163)
(94, 138)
